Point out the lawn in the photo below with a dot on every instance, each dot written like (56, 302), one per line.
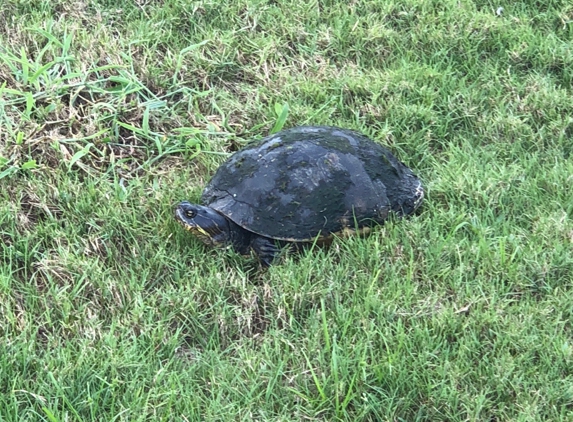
(113, 111)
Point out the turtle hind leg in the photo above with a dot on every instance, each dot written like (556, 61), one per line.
(266, 249)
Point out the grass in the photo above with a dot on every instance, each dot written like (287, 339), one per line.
(111, 112)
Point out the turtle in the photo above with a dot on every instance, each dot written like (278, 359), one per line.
(301, 185)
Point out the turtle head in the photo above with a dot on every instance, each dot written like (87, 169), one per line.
(207, 224)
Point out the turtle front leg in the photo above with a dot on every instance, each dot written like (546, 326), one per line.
(266, 249)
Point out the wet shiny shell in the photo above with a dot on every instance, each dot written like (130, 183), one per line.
(312, 181)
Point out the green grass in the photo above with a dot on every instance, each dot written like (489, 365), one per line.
(112, 111)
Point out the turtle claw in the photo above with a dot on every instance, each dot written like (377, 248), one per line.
(265, 249)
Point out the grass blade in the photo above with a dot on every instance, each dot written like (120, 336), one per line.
(282, 114)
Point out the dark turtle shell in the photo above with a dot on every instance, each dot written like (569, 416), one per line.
(306, 182)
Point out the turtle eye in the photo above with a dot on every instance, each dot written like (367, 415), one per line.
(190, 214)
